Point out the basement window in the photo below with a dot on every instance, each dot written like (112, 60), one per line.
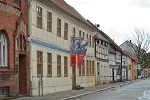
(4, 91)
(17, 3)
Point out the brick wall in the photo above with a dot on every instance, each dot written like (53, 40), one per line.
(10, 15)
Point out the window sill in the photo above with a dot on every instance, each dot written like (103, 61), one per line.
(65, 38)
(39, 27)
(58, 35)
(49, 75)
(4, 70)
(65, 76)
(49, 30)
(17, 7)
(3, 1)
(39, 76)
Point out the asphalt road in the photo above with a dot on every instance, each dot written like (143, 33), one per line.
(135, 91)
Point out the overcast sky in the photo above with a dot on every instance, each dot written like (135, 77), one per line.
(117, 18)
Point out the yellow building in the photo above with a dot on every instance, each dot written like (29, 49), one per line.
(133, 68)
(51, 25)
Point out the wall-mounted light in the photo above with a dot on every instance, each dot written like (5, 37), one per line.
(29, 39)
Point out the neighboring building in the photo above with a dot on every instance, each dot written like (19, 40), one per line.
(130, 49)
(14, 65)
(118, 57)
(118, 65)
(112, 64)
(102, 62)
(125, 66)
(133, 68)
(52, 23)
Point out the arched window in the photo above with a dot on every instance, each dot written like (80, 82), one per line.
(3, 50)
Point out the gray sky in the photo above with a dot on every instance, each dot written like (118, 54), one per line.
(117, 18)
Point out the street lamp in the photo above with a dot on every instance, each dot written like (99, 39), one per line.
(124, 72)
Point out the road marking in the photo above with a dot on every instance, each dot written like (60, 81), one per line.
(146, 95)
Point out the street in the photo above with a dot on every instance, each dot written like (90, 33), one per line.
(135, 91)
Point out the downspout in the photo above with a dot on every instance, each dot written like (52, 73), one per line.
(29, 40)
(121, 68)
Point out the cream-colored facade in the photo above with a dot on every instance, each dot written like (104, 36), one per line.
(46, 42)
(102, 62)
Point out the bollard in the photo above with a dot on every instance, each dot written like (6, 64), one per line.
(40, 89)
(30, 88)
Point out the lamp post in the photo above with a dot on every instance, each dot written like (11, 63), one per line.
(124, 72)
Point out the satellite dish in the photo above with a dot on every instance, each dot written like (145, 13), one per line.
(97, 25)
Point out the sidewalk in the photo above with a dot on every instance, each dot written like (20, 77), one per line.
(70, 94)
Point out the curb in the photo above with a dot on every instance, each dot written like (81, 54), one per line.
(100, 90)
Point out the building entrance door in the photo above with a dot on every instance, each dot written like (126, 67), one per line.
(98, 73)
(22, 74)
(73, 76)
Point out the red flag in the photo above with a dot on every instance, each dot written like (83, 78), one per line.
(72, 59)
(80, 59)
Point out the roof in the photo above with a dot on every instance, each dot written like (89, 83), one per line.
(100, 36)
(112, 41)
(62, 5)
(111, 50)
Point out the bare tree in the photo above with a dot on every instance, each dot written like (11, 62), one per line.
(140, 46)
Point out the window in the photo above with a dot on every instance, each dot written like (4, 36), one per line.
(66, 31)
(80, 33)
(118, 69)
(74, 31)
(17, 3)
(93, 41)
(49, 64)
(93, 68)
(90, 41)
(80, 71)
(87, 68)
(100, 50)
(83, 69)
(65, 66)
(39, 17)
(103, 51)
(87, 36)
(49, 21)
(58, 27)
(39, 63)
(90, 67)
(4, 91)
(3, 50)
(83, 34)
(58, 66)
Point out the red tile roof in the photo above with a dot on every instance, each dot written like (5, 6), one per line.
(61, 4)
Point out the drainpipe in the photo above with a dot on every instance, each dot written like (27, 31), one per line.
(29, 41)
(121, 68)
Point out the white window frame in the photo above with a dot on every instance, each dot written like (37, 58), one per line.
(3, 54)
